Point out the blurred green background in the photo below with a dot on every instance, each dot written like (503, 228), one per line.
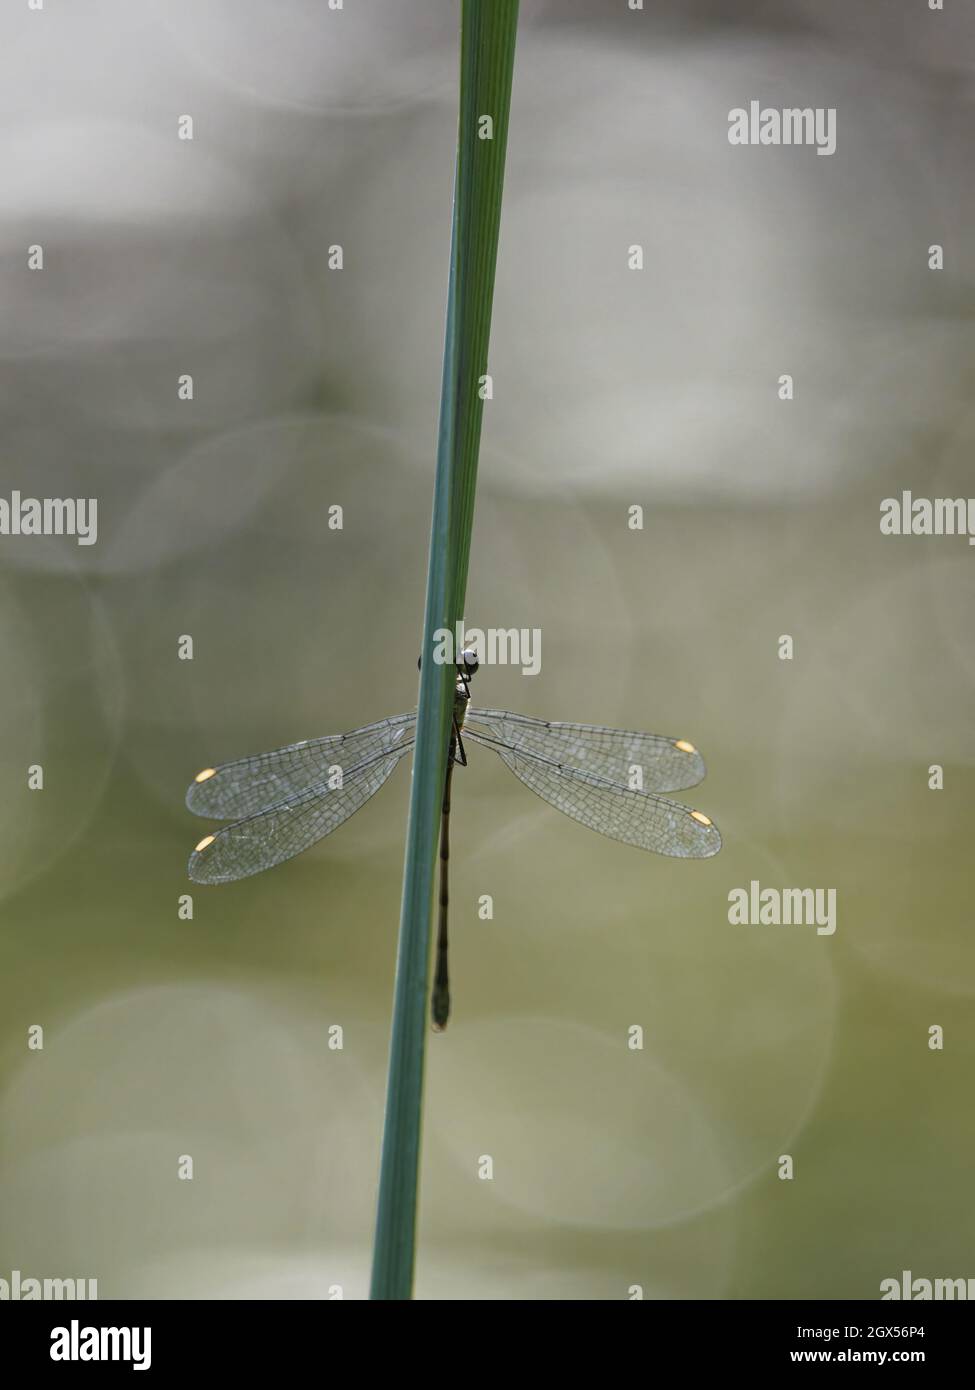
(312, 387)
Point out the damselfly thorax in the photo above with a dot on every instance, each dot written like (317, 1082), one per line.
(466, 669)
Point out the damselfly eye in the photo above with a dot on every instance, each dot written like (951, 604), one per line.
(468, 661)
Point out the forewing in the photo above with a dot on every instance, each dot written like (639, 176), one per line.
(238, 789)
(668, 764)
(281, 831)
(636, 817)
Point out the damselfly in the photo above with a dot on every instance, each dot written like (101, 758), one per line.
(279, 803)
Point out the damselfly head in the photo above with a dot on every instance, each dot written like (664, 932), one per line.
(468, 662)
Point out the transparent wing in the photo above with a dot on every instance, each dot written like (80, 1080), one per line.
(238, 789)
(669, 764)
(635, 817)
(280, 831)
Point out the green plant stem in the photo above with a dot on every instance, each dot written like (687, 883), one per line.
(487, 55)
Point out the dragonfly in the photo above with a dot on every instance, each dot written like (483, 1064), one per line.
(278, 804)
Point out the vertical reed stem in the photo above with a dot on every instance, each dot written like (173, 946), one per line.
(487, 57)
